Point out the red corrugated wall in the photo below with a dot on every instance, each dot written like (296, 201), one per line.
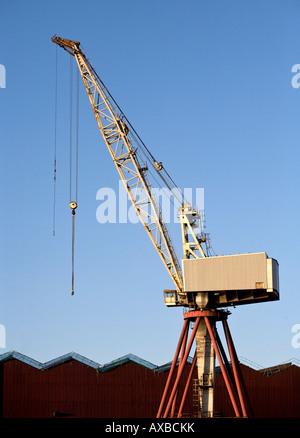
(128, 391)
(72, 388)
(274, 396)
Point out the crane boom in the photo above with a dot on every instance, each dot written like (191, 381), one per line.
(124, 146)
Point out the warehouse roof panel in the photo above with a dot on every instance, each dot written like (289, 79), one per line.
(126, 359)
(77, 357)
(51, 363)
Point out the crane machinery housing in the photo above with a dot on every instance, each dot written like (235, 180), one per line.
(206, 284)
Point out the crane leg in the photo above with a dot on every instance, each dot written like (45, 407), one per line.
(179, 346)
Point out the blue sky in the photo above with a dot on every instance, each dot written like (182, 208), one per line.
(207, 85)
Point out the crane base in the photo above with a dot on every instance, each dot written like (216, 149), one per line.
(170, 402)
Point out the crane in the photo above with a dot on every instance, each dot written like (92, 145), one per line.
(206, 283)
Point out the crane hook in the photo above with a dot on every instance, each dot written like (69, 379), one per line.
(73, 206)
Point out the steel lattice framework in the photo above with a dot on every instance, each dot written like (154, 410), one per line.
(123, 145)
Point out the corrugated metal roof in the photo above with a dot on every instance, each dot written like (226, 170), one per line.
(167, 366)
(51, 363)
(22, 358)
(71, 356)
(118, 362)
(275, 369)
(126, 359)
(77, 357)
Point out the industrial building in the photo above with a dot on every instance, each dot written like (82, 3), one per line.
(75, 387)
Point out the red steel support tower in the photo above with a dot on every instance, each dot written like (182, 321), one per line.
(232, 376)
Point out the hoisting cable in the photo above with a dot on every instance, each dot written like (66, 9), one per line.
(71, 123)
(55, 137)
(73, 204)
(77, 130)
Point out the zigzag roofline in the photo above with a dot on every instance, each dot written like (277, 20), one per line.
(10, 355)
